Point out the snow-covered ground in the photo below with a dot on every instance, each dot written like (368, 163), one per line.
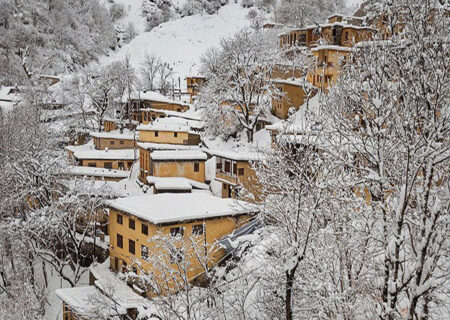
(182, 42)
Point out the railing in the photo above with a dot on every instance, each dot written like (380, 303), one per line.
(227, 176)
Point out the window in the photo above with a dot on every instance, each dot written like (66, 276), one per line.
(119, 241)
(131, 246)
(225, 186)
(131, 224)
(234, 168)
(218, 165)
(116, 264)
(111, 142)
(92, 164)
(196, 167)
(144, 252)
(227, 166)
(346, 36)
(175, 134)
(177, 231)
(156, 133)
(179, 110)
(144, 229)
(119, 219)
(176, 255)
(241, 171)
(197, 229)
(130, 164)
(122, 142)
(108, 165)
(121, 165)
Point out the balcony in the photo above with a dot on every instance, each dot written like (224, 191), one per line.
(231, 178)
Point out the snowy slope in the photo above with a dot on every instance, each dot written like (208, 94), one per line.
(133, 10)
(182, 42)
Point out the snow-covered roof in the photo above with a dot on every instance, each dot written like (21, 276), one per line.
(331, 47)
(160, 126)
(115, 134)
(151, 96)
(237, 155)
(326, 25)
(193, 124)
(107, 154)
(177, 180)
(172, 208)
(292, 82)
(172, 185)
(8, 98)
(96, 172)
(182, 155)
(89, 302)
(6, 94)
(170, 113)
(108, 282)
(165, 146)
(87, 146)
(194, 75)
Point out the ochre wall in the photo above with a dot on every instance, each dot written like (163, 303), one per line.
(101, 163)
(215, 229)
(247, 181)
(102, 143)
(178, 169)
(292, 96)
(109, 125)
(163, 137)
(144, 164)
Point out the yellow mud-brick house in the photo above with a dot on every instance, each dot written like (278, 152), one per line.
(118, 159)
(190, 223)
(149, 99)
(114, 139)
(193, 85)
(291, 94)
(234, 170)
(168, 133)
(329, 61)
(178, 163)
(146, 149)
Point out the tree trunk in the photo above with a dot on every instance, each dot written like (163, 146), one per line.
(250, 135)
(288, 299)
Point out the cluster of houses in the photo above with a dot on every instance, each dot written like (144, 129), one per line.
(161, 153)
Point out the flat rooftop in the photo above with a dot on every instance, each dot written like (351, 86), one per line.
(169, 208)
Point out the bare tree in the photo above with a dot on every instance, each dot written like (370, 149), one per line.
(389, 126)
(238, 75)
(149, 70)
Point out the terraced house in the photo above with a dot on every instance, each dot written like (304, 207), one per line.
(141, 225)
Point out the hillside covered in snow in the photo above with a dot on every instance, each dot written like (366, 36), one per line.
(182, 42)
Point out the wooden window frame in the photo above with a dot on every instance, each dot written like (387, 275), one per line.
(131, 224)
(144, 227)
(198, 229)
(119, 241)
(131, 246)
(119, 219)
(175, 231)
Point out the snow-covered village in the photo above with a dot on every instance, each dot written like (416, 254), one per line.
(224, 159)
